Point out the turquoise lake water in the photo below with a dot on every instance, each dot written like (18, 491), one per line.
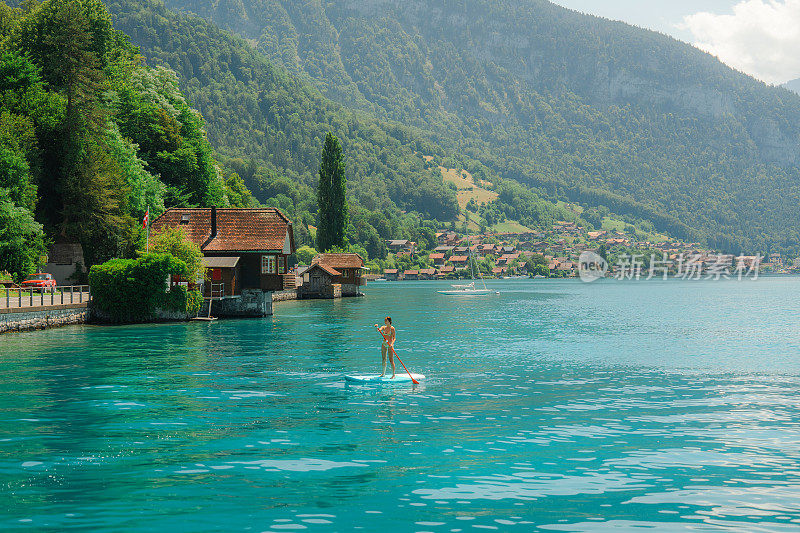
(553, 406)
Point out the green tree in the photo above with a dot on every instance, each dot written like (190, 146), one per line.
(15, 176)
(69, 41)
(22, 241)
(602, 251)
(175, 241)
(331, 197)
(305, 254)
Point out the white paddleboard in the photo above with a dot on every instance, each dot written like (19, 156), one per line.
(374, 378)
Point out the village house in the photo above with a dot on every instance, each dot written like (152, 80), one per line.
(246, 254)
(436, 259)
(447, 237)
(444, 249)
(411, 275)
(401, 245)
(459, 261)
(347, 271)
(567, 266)
(391, 274)
(319, 281)
(486, 249)
(427, 273)
(507, 258)
(445, 271)
(499, 271)
(538, 246)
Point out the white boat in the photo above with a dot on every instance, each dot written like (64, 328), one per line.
(469, 289)
(466, 290)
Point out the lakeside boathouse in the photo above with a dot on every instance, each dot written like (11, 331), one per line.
(332, 275)
(246, 253)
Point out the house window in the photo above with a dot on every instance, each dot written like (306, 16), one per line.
(267, 264)
(281, 264)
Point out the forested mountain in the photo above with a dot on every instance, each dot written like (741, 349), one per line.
(269, 127)
(580, 107)
(90, 138)
(793, 85)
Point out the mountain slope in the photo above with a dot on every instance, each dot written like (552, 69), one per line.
(599, 111)
(792, 85)
(260, 115)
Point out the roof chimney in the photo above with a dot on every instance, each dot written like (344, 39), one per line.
(213, 222)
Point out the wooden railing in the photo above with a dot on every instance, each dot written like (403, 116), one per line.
(217, 290)
(17, 297)
(289, 281)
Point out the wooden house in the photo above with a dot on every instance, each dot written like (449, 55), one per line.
(499, 271)
(243, 249)
(319, 281)
(436, 259)
(459, 261)
(401, 245)
(411, 275)
(391, 274)
(445, 271)
(350, 269)
(486, 249)
(427, 273)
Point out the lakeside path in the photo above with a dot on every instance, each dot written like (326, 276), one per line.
(555, 404)
(37, 300)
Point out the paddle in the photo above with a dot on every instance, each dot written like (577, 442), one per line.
(414, 381)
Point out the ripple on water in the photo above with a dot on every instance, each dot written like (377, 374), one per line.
(642, 411)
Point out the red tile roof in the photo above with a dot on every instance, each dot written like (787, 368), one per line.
(458, 259)
(434, 257)
(339, 260)
(238, 230)
(390, 271)
(325, 268)
(447, 268)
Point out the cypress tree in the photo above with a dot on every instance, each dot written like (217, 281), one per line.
(331, 196)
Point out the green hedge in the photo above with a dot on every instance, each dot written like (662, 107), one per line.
(130, 290)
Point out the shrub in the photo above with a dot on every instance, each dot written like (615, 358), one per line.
(130, 290)
(175, 241)
(305, 254)
(22, 241)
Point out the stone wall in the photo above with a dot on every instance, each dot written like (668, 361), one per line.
(159, 315)
(282, 296)
(351, 289)
(251, 303)
(332, 291)
(43, 318)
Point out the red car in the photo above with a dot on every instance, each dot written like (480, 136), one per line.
(43, 282)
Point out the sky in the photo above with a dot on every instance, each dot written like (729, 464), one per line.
(759, 37)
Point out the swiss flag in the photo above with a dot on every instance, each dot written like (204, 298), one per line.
(146, 220)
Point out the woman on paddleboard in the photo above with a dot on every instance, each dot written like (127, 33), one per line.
(388, 333)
